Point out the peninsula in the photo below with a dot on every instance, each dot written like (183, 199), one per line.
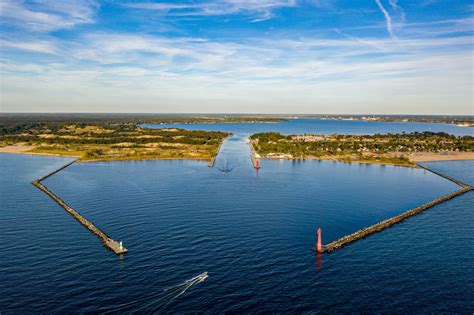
(396, 149)
(109, 141)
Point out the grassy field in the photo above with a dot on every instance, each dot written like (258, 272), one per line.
(106, 142)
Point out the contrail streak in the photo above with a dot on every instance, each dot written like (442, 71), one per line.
(388, 19)
(397, 8)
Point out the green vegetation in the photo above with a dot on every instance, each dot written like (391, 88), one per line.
(9, 119)
(384, 149)
(111, 141)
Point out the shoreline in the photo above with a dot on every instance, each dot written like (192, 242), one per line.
(79, 160)
(351, 118)
(422, 158)
(213, 159)
(215, 123)
(432, 157)
(338, 161)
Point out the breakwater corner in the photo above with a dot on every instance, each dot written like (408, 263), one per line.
(380, 226)
(109, 243)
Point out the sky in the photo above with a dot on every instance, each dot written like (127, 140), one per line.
(237, 56)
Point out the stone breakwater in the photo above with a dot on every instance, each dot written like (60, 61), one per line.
(213, 159)
(54, 172)
(108, 242)
(459, 183)
(398, 218)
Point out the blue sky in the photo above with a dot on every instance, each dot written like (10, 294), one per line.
(237, 56)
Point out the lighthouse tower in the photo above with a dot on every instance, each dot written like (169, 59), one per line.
(319, 245)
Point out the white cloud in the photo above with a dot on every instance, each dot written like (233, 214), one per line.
(260, 9)
(440, 28)
(134, 59)
(430, 63)
(47, 15)
(304, 58)
(33, 46)
(93, 90)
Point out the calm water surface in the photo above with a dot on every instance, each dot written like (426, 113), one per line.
(311, 125)
(252, 232)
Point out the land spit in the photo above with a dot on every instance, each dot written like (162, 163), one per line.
(108, 242)
(398, 218)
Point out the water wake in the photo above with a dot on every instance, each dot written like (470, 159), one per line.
(158, 301)
(226, 168)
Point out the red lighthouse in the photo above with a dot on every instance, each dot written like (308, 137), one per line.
(319, 246)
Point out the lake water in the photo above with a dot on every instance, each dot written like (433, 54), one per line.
(318, 126)
(252, 232)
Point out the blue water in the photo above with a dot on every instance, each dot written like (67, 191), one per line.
(318, 126)
(252, 232)
(460, 170)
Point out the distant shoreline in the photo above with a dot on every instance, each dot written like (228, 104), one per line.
(283, 119)
(459, 122)
(208, 118)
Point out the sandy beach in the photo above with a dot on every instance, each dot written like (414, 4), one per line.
(430, 156)
(16, 148)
